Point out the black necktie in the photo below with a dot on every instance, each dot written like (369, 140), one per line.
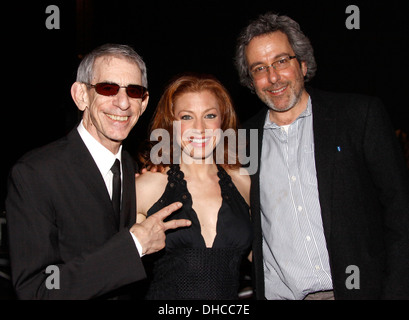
(116, 187)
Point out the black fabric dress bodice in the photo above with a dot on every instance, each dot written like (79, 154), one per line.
(186, 268)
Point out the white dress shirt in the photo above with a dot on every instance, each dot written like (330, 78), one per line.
(104, 160)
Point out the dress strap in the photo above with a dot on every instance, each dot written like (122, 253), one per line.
(174, 173)
(228, 188)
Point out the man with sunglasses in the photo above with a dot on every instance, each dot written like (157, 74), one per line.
(71, 205)
(330, 199)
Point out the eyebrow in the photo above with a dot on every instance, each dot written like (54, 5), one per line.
(275, 59)
(207, 110)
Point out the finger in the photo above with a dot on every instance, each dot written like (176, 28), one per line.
(166, 211)
(177, 223)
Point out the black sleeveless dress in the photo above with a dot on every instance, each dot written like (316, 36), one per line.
(186, 269)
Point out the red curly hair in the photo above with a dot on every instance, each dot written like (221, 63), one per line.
(164, 117)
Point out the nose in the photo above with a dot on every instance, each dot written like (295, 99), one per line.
(121, 100)
(273, 75)
(200, 125)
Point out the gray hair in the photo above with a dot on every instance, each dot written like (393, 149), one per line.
(85, 70)
(268, 23)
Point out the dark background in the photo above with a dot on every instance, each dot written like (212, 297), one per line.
(39, 65)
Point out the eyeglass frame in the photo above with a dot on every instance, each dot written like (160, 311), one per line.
(144, 91)
(267, 67)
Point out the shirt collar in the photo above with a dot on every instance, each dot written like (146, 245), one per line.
(103, 158)
(268, 124)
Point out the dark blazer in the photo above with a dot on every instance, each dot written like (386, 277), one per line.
(363, 189)
(59, 213)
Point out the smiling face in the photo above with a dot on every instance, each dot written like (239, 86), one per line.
(200, 119)
(109, 119)
(282, 91)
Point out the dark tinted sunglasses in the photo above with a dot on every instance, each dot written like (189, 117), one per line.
(111, 89)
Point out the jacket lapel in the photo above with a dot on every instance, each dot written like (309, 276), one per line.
(257, 122)
(324, 126)
(87, 172)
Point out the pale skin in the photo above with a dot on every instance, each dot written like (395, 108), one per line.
(197, 112)
(282, 91)
(99, 110)
(109, 120)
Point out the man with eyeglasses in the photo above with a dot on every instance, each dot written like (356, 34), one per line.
(71, 205)
(330, 199)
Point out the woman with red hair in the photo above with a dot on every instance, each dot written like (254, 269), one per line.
(194, 117)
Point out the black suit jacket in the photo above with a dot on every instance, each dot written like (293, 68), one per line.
(363, 189)
(59, 213)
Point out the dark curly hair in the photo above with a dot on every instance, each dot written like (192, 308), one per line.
(268, 23)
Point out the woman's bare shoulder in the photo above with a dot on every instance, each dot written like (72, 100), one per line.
(151, 178)
(240, 175)
(149, 188)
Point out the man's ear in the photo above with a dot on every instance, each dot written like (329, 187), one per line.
(80, 96)
(304, 68)
(145, 103)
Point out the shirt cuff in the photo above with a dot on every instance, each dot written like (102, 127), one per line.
(137, 244)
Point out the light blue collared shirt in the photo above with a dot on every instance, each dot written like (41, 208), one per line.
(296, 260)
